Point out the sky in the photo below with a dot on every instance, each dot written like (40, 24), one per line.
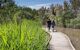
(36, 4)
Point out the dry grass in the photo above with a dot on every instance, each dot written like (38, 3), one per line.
(74, 35)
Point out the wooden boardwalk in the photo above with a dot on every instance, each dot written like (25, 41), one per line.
(59, 41)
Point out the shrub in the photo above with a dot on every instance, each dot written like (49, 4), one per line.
(75, 23)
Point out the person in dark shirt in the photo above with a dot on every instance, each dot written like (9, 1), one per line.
(49, 24)
(53, 24)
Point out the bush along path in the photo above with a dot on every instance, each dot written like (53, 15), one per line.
(59, 41)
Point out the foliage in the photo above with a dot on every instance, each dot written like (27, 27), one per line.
(32, 11)
(6, 3)
(75, 23)
(69, 16)
(75, 4)
(53, 9)
(19, 29)
(26, 36)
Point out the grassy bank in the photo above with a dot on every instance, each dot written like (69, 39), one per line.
(74, 35)
(27, 35)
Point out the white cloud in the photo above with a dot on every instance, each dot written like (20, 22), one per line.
(40, 5)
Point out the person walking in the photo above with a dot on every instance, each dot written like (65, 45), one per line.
(49, 24)
(53, 24)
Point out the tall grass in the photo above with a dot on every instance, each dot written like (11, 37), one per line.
(28, 35)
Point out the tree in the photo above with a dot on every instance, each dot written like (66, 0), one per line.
(58, 9)
(41, 11)
(65, 14)
(4, 3)
(53, 9)
(66, 6)
(0, 3)
(75, 6)
(34, 12)
(7, 9)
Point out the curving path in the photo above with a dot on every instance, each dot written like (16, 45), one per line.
(59, 41)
